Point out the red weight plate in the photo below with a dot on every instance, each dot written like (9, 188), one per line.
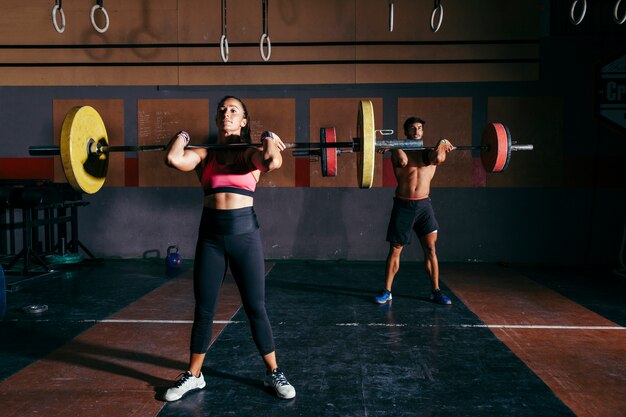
(331, 153)
(496, 147)
(328, 155)
(324, 156)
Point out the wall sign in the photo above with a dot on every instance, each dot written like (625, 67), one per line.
(611, 104)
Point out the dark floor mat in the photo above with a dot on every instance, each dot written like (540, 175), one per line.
(347, 356)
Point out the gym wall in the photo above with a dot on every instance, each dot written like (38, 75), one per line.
(158, 69)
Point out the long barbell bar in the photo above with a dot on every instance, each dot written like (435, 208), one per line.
(96, 149)
(408, 145)
(84, 147)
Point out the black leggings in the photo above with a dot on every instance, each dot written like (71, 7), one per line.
(230, 237)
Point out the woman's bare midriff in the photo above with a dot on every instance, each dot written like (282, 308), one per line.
(227, 201)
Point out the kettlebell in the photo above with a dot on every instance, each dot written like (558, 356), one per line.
(173, 258)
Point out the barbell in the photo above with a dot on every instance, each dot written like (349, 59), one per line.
(84, 148)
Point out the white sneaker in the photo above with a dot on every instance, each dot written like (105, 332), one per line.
(187, 382)
(279, 382)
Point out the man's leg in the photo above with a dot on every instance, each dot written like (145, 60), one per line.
(431, 264)
(391, 269)
(393, 264)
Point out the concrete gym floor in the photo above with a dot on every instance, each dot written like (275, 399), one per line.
(515, 342)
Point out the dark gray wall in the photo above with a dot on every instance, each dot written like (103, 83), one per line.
(562, 225)
(573, 225)
(556, 226)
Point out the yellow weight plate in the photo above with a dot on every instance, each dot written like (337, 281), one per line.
(367, 144)
(85, 171)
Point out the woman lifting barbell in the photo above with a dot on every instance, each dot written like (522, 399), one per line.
(229, 235)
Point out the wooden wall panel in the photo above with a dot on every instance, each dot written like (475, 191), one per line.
(111, 59)
(366, 20)
(341, 113)
(251, 54)
(447, 51)
(449, 118)
(137, 21)
(277, 115)
(466, 20)
(88, 76)
(114, 56)
(288, 21)
(536, 120)
(157, 122)
(267, 75)
(445, 73)
(112, 114)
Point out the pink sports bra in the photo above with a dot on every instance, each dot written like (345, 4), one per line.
(236, 178)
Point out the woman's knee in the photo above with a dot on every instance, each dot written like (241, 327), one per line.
(204, 312)
(256, 310)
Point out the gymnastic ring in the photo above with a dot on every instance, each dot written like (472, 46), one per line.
(93, 20)
(573, 19)
(54, 18)
(264, 37)
(224, 48)
(615, 11)
(436, 27)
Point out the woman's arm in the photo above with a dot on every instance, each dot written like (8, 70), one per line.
(180, 158)
(269, 157)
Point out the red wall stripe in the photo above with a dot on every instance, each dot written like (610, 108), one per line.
(389, 179)
(26, 168)
(479, 176)
(131, 172)
(303, 175)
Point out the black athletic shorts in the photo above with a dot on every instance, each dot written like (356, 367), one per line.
(408, 215)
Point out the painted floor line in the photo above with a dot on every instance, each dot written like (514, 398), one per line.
(541, 326)
(483, 326)
(128, 321)
(489, 326)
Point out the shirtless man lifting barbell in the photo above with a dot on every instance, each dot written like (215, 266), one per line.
(412, 209)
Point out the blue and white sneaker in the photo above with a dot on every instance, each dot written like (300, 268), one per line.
(440, 298)
(278, 381)
(187, 382)
(384, 297)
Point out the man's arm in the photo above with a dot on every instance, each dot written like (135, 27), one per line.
(437, 156)
(399, 158)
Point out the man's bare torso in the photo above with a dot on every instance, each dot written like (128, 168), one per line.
(412, 174)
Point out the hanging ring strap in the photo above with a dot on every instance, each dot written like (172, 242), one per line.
(577, 20)
(265, 37)
(224, 38)
(438, 8)
(99, 6)
(58, 7)
(390, 15)
(619, 20)
(224, 48)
